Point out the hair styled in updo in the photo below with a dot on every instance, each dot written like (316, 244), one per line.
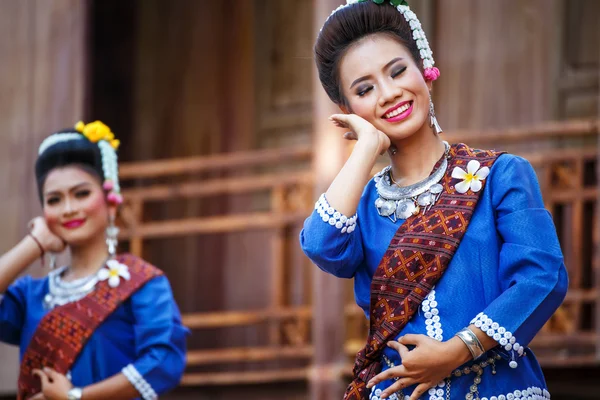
(348, 25)
(76, 152)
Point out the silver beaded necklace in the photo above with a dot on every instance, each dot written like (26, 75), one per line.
(61, 292)
(400, 202)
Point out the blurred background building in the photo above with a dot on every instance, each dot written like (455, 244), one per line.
(226, 146)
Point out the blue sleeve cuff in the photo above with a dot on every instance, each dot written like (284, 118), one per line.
(160, 336)
(332, 241)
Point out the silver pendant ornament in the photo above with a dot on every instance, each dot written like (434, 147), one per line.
(432, 119)
(397, 202)
(112, 231)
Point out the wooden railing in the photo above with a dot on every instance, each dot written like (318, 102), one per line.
(289, 202)
(567, 174)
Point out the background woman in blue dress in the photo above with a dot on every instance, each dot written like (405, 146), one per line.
(458, 323)
(106, 326)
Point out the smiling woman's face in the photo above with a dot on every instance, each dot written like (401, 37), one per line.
(75, 205)
(382, 83)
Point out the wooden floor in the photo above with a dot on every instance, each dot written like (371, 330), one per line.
(564, 384)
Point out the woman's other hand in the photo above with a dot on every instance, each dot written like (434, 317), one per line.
(426, 365)
(55, 386)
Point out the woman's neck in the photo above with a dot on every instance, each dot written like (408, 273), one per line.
(86, 259)
(415, 156)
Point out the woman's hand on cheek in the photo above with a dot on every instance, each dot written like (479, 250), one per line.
(48, 239)
(362, 131)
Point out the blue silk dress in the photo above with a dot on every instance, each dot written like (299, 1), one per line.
(507, 277)
(143, 338)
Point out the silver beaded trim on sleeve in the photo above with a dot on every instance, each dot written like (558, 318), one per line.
(138, 381)
(504, 337)
(334, 218)
(532, 392)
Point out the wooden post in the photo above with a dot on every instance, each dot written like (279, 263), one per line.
(596, 251)
(328, 303)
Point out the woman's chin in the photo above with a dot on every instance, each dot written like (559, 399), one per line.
(399, 132)
(76, 239)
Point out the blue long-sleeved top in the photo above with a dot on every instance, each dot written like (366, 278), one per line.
(143, 338)
(507, 276)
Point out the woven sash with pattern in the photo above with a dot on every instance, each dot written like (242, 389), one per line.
(62, 333)
(415, 260)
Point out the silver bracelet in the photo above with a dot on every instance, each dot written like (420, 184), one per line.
(75, 393)
(472, 342)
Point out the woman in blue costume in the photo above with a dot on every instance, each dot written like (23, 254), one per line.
(106, 326)
(455, 261)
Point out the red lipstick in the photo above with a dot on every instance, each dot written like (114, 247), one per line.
(73, 224)
(408, 105)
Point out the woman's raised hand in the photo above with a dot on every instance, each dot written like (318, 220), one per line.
(362, 131)
(49, 241)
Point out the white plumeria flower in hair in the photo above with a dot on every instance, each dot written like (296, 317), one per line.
(471, 178)
(114, 271)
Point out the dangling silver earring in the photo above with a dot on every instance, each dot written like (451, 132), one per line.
(432, 119)
(111, 237)
(52, 261)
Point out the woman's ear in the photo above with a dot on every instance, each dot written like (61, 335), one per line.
(345, 109)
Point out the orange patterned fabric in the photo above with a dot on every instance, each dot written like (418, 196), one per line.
(64, 331)
(415, 260)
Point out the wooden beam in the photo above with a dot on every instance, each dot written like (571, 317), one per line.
(225, 161)
(226, 223)
(244, 377)
(247, 354)
(236, 318)
(213, 187)
(541, 131)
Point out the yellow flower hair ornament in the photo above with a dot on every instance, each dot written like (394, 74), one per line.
(97, 132)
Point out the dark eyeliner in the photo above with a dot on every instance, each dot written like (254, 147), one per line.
(82, 193)
(362, 91)
(398, 72)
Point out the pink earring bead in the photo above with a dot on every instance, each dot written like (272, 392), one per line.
(114, 198)
(108, 185)
(431, 74)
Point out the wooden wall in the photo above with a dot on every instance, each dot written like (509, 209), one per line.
(513, 63)
(42, 89)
